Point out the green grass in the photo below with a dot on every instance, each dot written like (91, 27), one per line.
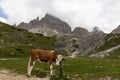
(85, 68)
(88, 68)
(16, 42)
(114, 54)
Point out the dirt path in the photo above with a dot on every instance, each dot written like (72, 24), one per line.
(7, 75)
(3, 59)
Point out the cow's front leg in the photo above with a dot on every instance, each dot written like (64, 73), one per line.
(51, 69)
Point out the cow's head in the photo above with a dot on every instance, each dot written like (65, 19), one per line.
(59, 59)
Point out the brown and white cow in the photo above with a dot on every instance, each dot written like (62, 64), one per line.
(47, 56)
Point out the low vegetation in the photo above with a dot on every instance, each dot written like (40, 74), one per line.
(83, 68)
(16, 42)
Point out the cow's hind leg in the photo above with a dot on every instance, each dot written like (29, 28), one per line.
(30, 66)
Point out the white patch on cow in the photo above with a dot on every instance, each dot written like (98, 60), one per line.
(58, 59)
(52, 51)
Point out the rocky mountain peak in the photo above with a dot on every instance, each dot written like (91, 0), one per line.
(34, 22)
(51, 17)
(23, 25)
(117, 30)
(78, 31)
(48, 24)
(55, 24)
(96, 30)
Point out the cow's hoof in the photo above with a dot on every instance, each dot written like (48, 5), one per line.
(52, 75)
(28, 75)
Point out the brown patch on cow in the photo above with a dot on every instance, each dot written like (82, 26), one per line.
(43, 55)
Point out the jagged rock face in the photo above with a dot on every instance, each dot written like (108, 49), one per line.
(105, 53)
(78, 31)
(91, 42)
(48, 24)
(117, 30)
(23, 25)
(55, 23)
(46, 31)
(96, 30)
(87, 43)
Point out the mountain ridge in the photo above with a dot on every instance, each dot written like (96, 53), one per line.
(48, 23)
(79, 40)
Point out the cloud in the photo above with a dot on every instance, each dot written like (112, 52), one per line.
(25, 10)
(78, 13)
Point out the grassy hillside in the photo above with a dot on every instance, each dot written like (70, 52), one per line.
(115, 54)
(16, 42)
(111, 40)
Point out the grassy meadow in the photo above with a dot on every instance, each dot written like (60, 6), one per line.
(83, 68)
(17, 43)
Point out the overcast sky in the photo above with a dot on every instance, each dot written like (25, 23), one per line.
(77, 13)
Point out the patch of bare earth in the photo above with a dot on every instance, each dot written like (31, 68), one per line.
(8, 75)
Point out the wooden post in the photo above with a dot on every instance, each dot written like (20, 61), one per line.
(61, 70)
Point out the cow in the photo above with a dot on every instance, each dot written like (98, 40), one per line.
(47, 56)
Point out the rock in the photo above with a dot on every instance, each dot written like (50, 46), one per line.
(117, 30)
(91, 42)
(78, 31)
(23, 25)
(49, 24)
(55, 23)
(87, 43)
(96, 30)
(104, 53)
